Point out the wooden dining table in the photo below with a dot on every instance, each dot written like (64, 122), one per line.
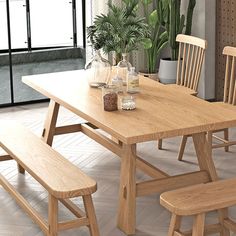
(161, 112)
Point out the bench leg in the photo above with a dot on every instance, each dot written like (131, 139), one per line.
(223, 214)
(175, 224)
(198, 225)
(52, 215)
(20, 169)
(159, 144)
(182, 147)
(226, 137)
(90, 212)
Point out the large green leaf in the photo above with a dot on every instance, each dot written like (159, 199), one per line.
(147, 43)
(153, 19)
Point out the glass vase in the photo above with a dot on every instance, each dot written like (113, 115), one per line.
(123, 68)
(98, 71)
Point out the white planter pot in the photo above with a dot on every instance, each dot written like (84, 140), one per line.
(167, 71)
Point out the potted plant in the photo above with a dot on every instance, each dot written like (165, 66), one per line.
(175, 25)
(121, 30)
(158, 38)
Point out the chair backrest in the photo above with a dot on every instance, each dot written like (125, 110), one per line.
(190, 60)
(230, 85)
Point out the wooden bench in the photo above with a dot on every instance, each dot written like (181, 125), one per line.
(57, 175)
(198, 200)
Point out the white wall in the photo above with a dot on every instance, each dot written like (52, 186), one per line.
(204, 27)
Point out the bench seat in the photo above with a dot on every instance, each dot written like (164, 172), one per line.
(60, 177)
(200, 198)
(57, 175)
(197, 200)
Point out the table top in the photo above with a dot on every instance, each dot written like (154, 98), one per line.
(161, 111)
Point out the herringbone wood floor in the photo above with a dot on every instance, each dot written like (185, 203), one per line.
(104, 167)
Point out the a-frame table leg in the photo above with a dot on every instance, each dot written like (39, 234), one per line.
(50, 122)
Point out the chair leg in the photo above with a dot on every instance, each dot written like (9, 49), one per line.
(223, 214)
(226, 137)
(175, 224)
(90, 212)
(209, 139)
(159, 144)
(182, 147)
(52, 215)
(198, 225)
(20, 169)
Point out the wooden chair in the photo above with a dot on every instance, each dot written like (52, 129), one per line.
(229, 103)
(190, 60)
(196, 201)
(57, 175)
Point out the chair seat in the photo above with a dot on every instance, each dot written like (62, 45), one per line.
(183, 89)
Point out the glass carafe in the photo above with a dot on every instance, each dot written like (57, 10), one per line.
(123, 68)
(98, 71)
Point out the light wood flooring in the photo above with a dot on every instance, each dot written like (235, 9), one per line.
(104, 167)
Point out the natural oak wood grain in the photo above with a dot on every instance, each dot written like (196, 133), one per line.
(161, 112)
(175, 224)
(200, 199)
(229, 99)
(52, 215)
(190, 60)
(50, 122)
(127, 193)
(72, 183)
(57, 175)
(198, 224)
(191, 56)
(89, 209)
(24, 204)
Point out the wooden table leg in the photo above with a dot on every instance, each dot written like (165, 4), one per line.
(203, 150)
(50, 122)
(127, 195)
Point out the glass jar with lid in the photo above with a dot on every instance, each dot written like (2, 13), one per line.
(110, 98)
(132, 81)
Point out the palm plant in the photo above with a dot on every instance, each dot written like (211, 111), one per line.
(121, 30)
(158, 38)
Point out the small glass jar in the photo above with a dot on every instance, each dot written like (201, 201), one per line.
(132, 81)
(128, 103)
(110, 98)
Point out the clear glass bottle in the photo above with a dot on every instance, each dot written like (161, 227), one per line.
(123, 68)
(110, 98)
(98, 71)
(132, 81)
(118, 82)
